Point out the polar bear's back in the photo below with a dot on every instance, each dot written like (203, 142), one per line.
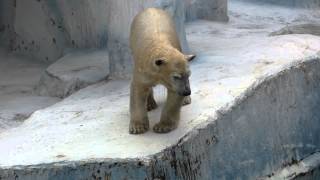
(151, 27)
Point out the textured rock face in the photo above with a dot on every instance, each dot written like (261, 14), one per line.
(313, 29)
(85, 23)
(36, 33)
(6, 22)
(206, 9)
(307, 168)
(18, 77)
(293, 3)
(15, 108)
(45, 29)
(73, 72)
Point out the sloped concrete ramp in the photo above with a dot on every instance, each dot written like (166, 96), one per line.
(253, 111)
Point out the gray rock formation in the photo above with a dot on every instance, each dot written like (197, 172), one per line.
(215, 10)
(313, 29)
(293, 3)
(6, 22)
(15, 108)
(18, 77)
(45, 29)
(73, 72)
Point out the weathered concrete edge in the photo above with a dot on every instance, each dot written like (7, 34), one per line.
(298, 169)
(206, 134)
(178, 161)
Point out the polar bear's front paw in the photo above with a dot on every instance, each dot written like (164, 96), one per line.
(138, 127)
(186, 100)
(164, 127)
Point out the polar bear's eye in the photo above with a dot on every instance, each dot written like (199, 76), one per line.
(176, 77)
(159, 62)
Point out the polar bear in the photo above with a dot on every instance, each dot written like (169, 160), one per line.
(158, 59)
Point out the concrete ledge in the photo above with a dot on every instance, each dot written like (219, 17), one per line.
(248, 118)
(307, 168)
(313, 4)
(74, 71)
(313, 29)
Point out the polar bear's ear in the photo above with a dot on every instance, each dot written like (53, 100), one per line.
(159, 62)
(190, 57)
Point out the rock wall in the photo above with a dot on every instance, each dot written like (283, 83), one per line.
(310, 28)
(37, 32)
(6, 22)
(292, 3)
(215, 10)
(46, 30)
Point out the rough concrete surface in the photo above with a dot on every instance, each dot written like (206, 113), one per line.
(214, 10)
(6, 22)
(45, 30)
(298, 29)
(307, 168)
(292, 3)
(255, 109)
(35, 32)
(74, 71)
(18, 76)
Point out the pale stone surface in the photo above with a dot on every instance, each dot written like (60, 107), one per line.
(93, 123)
(313, 29)
(231, 81)
(255, 108)
(15, 108)
(45, 29)
(74, 71)
(308, 168)
(18, 76)
(215, 10)
(36, 33)
(85, 23)
(293, 3)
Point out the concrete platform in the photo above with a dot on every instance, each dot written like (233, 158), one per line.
(255, 107)
(74, 71)
(18, 77)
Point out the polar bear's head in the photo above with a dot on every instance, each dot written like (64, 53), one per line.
(172, 69)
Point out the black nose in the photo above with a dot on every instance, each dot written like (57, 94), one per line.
(186, 93)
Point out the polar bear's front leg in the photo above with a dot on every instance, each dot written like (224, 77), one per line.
(139, 122)
(170, 114)
(151, 103)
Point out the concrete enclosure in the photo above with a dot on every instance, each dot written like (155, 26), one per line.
(291, 3)
(64, 92)
(46, 30)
